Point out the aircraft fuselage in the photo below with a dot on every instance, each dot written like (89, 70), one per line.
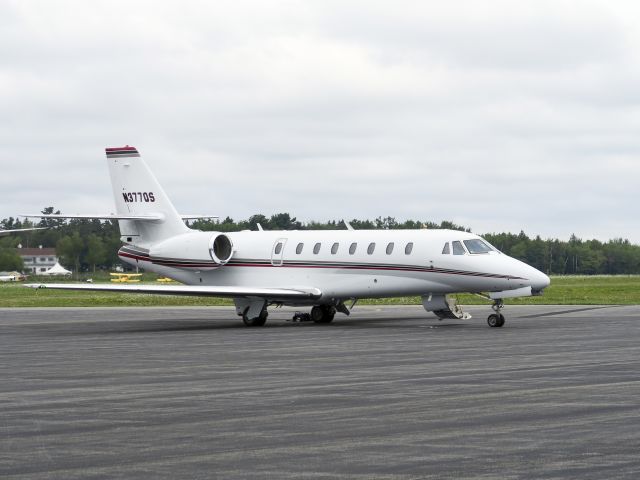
(344, 265)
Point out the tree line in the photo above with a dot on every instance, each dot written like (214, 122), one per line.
(87, 245)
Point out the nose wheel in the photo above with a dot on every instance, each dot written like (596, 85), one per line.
(496, 319)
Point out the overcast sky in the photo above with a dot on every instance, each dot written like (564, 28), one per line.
(498, 115)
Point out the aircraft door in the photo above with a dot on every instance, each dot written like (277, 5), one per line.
(277, 253)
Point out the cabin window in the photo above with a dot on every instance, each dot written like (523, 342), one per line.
(278, 248)
(408, 249)
(334, 248)
(477, 246)
(316, 248)
(371, 248)
(299, 248)
(352, 248)
(458, 249)
(389, 248)
(445, 250)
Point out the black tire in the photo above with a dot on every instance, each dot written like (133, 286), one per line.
(258, 321)
(493, 320)
(317, 314)
(322, 314)
(501, 321)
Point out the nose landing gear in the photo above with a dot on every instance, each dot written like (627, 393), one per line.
(496, 319)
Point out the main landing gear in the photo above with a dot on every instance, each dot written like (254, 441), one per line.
(252, 310)
(496, 319)
(319, 314)
(258, 321)
(323, 313)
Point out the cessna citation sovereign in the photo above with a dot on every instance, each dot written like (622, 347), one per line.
(324, 270)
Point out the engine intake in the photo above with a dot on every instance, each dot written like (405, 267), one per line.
(221, 248)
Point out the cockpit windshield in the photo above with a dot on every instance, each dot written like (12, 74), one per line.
(458, 249)
(476, 245)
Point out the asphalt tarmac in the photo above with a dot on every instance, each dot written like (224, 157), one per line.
(389, 392)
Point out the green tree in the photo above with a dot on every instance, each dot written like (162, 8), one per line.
(50, 222)
(254, 220)
(96, 252)
(387, 223)
(10, 260)
(575, 256)
(362, 224)
(70, 248)
(283, 221)
(591, 258)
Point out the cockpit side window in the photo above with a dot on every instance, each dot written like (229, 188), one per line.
(445, 250)
(476, 246)
(458, 249)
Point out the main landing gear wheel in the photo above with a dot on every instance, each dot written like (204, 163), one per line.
(323, 314)
(258, 321)
(496, 319)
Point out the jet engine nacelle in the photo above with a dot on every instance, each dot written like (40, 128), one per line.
(220, 248)
(194, 249)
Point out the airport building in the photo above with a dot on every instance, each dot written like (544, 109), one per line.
(37, 260)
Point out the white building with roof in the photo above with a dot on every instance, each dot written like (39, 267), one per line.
(37, 260)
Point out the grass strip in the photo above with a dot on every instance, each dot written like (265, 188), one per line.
(566, 290)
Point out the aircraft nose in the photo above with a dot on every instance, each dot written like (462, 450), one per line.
(539, 281)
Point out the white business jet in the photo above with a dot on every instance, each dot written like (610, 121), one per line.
(326, 270)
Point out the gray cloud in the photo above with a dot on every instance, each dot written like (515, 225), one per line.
(497, 115)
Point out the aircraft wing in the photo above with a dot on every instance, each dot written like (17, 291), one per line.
(7, 232)
(113, 216)
(191, 290)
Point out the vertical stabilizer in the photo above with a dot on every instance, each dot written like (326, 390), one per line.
(137, 192)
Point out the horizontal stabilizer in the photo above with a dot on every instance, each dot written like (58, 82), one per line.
(197, 217)
(101, 216)
(191, 290)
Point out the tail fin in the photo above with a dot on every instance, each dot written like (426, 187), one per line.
(137, 192)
